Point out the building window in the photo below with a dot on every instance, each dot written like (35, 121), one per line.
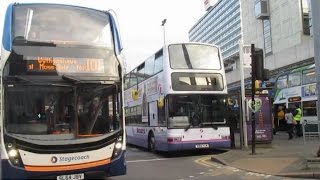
(305, 17)
(267, 36)
(294, 79)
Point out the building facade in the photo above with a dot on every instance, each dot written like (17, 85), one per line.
(221, 25)
(280, 27)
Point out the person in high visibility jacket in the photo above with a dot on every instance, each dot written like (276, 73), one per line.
(297, 117)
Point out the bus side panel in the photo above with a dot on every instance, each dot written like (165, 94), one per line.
(161, 138)
(137, 136)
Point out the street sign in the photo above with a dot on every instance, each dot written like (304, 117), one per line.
(257, 104)
(246, 54)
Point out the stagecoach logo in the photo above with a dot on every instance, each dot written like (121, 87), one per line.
(54, 159)
(68, 159)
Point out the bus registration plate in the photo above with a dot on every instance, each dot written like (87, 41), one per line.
(202, 145)
(71, 177)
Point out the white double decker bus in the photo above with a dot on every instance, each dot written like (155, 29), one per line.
(175, 99)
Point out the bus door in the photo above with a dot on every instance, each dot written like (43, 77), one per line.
(153, 113)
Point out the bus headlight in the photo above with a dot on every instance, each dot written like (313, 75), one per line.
(12, 153)
(118, 145)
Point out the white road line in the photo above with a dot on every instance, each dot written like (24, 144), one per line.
(146, 160)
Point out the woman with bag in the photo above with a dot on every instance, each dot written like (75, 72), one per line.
(290, 122)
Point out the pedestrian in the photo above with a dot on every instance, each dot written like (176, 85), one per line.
(281, 121)
(273, 123)
(290, 122)
(232, 123)
(297, 117)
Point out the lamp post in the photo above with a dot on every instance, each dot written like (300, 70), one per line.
(164, 30)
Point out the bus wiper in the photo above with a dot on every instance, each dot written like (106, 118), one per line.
(24, 79)
(210, 124)
(38, 83)
(71, 78)
(20, 40)
(187, 127)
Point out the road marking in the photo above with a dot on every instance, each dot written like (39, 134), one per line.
(146, 160)
(204, 161)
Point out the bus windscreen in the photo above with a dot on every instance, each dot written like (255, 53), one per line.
(49, 23)
(194, 56)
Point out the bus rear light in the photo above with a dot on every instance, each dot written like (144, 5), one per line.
(174, 139)
(225, 137)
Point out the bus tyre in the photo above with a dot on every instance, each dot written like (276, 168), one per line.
(151, 142)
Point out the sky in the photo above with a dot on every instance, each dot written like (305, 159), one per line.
(140, 22)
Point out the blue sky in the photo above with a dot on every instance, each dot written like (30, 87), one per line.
(140, 22)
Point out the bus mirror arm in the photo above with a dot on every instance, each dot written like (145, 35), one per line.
(187, 127)
(212, 124)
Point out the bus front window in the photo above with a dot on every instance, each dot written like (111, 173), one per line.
(191, 56)
(195, 111)
(35, 110)
(63, 112)
(98, 110)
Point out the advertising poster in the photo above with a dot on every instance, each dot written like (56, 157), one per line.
(262, 118)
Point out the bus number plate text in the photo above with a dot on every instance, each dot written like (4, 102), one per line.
(71, 177)
(202, 145)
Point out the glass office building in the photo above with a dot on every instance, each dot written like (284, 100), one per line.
(221, 25)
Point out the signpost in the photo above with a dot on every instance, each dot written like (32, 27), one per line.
(245, 62)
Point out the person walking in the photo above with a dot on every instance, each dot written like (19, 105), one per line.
(297, 117)
(281, 124)
(290, 122)
(232, 123)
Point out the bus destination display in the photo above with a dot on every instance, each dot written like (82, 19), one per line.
(64, 65)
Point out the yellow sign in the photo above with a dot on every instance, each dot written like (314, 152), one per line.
(135, 94)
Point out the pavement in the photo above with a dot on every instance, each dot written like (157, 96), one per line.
(281, 157)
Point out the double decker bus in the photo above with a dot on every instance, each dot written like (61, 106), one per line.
(61, 93)
(175, 99)
(297, 86)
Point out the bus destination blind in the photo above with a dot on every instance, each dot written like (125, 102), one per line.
(64, 65)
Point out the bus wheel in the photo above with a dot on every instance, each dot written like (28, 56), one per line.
(151, 142)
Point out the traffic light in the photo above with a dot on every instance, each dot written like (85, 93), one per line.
(258, 70)
(257, 86)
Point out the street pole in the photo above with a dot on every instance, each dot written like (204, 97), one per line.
(243, 124)
(253, 91)
(164, 30)
(315, 6)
